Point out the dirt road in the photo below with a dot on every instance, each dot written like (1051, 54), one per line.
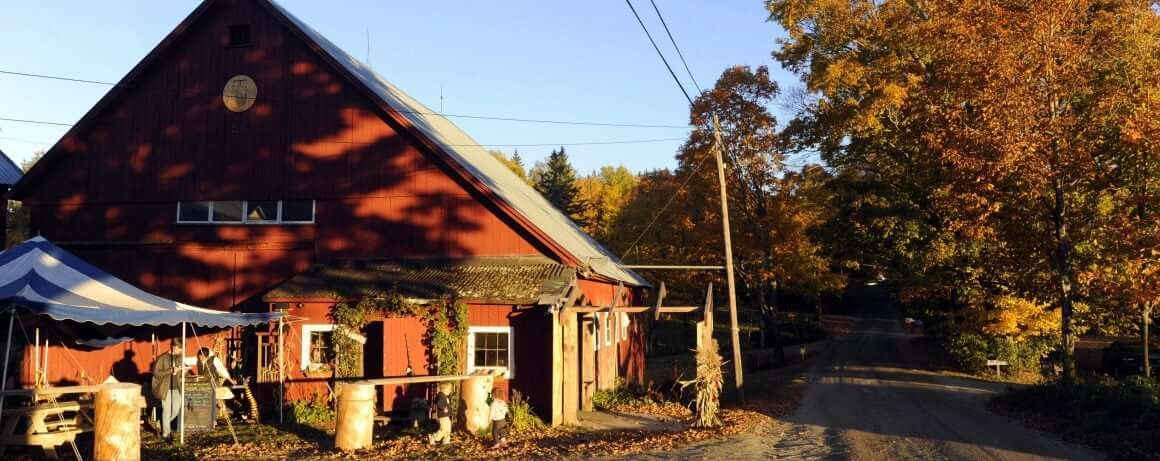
(869, 398)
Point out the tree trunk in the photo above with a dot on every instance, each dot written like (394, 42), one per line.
(1147, 320)
(1063, 272)
(769, 312)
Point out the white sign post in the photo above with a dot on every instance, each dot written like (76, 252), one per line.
(997, 364)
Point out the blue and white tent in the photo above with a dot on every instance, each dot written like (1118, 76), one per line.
(45, 279)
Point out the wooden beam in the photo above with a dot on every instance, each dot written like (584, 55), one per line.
(636, 309)
(683, 268)
(52, 391)
(661, 293)
(414, 379)
(569, 389)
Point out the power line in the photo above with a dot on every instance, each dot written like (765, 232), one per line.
(693, 174)
(580, 143)
(53, 77)
(674, 42)
(583, 143)
(34, 122)
(467, 116)
(658, 49)
(555, 122)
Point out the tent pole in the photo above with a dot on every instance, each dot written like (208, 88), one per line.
(281, 372)
(7, 354)
(36, 360)
(181, 415)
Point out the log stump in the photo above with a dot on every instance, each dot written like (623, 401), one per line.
(355, 421)
(117, 423)
(476, 389)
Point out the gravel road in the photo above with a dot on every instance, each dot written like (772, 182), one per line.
(869, 398)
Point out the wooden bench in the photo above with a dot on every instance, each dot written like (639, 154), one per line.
(49, 425)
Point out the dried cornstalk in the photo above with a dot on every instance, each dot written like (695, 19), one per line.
(707, 384)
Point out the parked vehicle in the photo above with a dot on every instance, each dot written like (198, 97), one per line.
(1123, 358)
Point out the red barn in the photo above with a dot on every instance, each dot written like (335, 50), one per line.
(247, 163)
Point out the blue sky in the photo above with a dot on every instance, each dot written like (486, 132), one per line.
(560, 60)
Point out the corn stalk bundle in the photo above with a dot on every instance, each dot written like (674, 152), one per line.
(708, 385)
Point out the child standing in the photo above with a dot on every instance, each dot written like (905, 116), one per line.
(443, 415)
(499, 414)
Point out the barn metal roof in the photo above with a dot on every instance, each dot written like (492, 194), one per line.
(499, 280)
(485, 167)
(10, 172)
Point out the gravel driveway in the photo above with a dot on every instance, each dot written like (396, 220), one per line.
(869, 399)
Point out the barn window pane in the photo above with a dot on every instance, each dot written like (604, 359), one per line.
(321, 347)
(262, 211)
(490, 347)
(193, 211)
(240, 35)
(228, 211)
(297, 211)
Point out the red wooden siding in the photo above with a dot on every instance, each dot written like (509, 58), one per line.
(310, 135)
(72, 365)
(531, 328)
(625, 360)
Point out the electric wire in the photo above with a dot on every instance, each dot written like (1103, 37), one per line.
(466, 116)
(675, 47)
(658, 50)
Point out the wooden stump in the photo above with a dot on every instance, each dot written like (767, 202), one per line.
(476, 389)
(117, 423)
(355, 421)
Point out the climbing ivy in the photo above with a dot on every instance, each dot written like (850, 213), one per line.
(446, 321)
(447, 333)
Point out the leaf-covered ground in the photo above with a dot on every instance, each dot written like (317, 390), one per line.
(309, 443)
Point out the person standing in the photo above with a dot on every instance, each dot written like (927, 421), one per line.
(499, 423)
(443, 415)
(166, 385)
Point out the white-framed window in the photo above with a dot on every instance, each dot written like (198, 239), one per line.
(607, 327)
(246, 212)
(317, 345)
(491, 348)
(625, 321)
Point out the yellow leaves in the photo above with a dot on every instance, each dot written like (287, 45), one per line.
(1019, 318)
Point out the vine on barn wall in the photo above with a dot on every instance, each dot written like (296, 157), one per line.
(446, 336)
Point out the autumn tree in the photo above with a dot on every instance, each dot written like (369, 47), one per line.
(1013, 117)
(18, 221)
(555, 178)
(514, 163)
(604, 194)
(771, 207)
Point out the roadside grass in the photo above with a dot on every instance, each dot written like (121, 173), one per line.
(1120, 418)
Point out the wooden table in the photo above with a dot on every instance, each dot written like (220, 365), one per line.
(49, 425)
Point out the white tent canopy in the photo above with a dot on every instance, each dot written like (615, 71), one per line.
(45, 279)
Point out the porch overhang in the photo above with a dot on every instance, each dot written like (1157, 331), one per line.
(483, 280)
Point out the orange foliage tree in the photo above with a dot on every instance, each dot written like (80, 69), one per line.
(1018, 118)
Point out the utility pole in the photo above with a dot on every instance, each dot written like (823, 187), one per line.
(1147, 320)
(739, 378)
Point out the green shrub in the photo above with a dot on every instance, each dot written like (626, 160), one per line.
(609, 399)
(1120, 417)
(523, 417)
(972, 350)
(311, 412)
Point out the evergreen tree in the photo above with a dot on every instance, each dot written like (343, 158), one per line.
(555, 179)
(514, 163)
